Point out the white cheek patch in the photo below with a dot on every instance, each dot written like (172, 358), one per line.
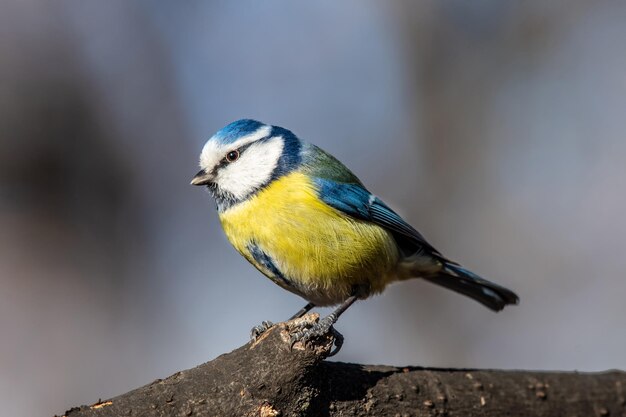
(213, 151)
(253, 169)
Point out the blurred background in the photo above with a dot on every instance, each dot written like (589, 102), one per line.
(497, 128)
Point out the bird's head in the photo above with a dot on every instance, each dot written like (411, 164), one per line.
(243, 157)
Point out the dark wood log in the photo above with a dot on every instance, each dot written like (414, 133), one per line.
(267, 378)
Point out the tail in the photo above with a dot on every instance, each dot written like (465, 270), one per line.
(465, 282)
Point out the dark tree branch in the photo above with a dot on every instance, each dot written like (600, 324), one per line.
(267, 379)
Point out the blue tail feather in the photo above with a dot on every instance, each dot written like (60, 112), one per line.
(463, 281)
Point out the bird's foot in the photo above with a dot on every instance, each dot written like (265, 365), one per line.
(310, 329)
(257, 331)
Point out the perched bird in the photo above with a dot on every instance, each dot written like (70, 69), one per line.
(306, 222)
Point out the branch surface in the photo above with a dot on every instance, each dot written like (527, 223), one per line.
(268, 379)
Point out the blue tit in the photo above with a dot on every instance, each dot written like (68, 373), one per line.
(308, 223)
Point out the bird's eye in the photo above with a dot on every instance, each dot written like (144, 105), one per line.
(232, 156)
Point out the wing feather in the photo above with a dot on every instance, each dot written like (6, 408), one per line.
(356, 201)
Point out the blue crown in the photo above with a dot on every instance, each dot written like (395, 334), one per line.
(237, 129)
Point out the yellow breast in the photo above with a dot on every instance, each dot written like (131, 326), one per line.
(324, 252)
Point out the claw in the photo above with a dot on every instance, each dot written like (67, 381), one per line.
(338, 342)
(310, 330)
(257, 331)
(303, 326)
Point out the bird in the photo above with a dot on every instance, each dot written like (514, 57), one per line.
(305, 221)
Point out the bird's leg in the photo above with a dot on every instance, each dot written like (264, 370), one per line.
(302, 311)
(265, 326)
(324, 326)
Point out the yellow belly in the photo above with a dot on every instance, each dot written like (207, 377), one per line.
(323, 252)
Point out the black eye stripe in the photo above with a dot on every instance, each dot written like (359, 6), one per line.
(240, 150)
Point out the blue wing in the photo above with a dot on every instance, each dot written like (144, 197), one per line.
(354, 200)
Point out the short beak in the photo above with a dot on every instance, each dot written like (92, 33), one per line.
(202, 178)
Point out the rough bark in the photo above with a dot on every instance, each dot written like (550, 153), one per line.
(267, 379)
